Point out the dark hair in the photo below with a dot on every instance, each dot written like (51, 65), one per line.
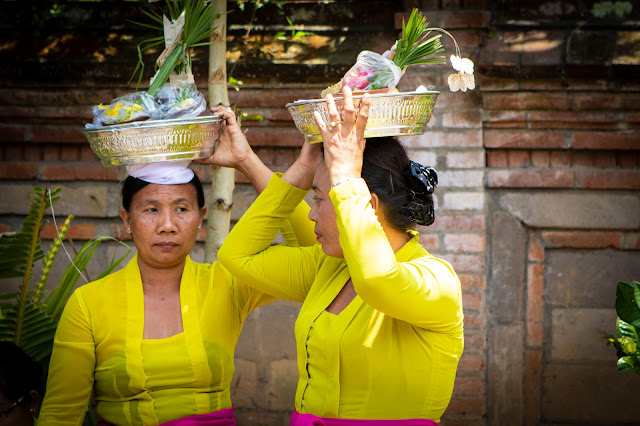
(406, 200)
(132, 185)
(19, 373)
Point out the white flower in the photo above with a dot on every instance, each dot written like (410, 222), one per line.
(461, 64)
(464, 79)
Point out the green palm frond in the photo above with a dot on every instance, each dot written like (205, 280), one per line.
(414, 48)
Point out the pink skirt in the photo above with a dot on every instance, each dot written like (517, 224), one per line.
(298, 419)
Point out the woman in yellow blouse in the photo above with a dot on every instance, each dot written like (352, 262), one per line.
(156, 339)
(379, 334)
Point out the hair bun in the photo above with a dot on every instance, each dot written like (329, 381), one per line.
(421, 179)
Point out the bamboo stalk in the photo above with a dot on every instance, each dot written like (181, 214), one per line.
(223, 179)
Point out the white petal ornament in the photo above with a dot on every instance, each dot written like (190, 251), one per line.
(464, 79)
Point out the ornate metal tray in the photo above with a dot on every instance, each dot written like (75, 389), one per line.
(390, 114)
(156, 140)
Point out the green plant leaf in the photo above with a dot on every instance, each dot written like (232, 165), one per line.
(629, 363)
(627, 306)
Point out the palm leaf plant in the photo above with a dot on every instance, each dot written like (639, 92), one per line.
(627, 343)
(198, 17)
(29, 317)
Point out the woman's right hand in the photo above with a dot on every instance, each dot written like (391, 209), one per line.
(233, 149)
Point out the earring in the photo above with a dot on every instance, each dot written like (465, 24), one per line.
(129, 229)
(199, 226)
(32, 411)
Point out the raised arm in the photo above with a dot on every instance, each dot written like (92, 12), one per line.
(418, 288)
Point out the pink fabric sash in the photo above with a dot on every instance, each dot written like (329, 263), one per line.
(298, 419)
(219, 418)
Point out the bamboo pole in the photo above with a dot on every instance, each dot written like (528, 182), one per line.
(223, 178)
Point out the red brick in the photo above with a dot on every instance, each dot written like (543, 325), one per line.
(86, 153)
(628, 160)
(471, 281)
(498, 52)
(84, 231)
(606, 160)
(74, 112)
(573, 120)
(475, 341)
(526, 101)
(519, 158)
(451, 4)
(536, 250)
(464, 242)
(466, 262)
(535, 332)
(535, 292)
(474, 320)
(472, 300)
(505, 119)
(4, 228)
(469, 386)
(13, 111)
(606, 140)
(540, 158)
(69, 152)
(278, 98)
(14, 152)
(532, 387)
(608, 180)
(458, 223)
(530, 179)
(32, 152)
(606, 101)
(51, 152)
(94, 96)
(454, 139)
(582, 159)
(430, 242)
(497, 158)
(471, 362)
(521, 139)
(475, 4)
(583, 239)
(463, 119)
(560, 159)
(62, 134)
(14, 133)
(465, 160)
(79, 171)
(286, 157)
(464, 405)
(495, 83)
(633, 117)
(13, 170)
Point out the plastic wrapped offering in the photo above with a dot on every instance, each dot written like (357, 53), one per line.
(372, 71)
(182, 102)
(131, 107)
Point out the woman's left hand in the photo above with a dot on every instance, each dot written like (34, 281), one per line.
(344, 140)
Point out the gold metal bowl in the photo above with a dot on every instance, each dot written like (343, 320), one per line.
(390, 114)
(152, 141)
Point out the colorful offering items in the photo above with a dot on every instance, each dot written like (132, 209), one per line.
(373, 71)
(169, 102)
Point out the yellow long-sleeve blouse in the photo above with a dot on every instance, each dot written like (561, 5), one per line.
(393, 352)
(99, 346)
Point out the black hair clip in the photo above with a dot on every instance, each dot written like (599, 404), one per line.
(421, 179)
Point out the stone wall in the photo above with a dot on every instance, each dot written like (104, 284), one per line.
(538, 207)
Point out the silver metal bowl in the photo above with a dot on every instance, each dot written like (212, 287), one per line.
(390, 114)
(156, 140)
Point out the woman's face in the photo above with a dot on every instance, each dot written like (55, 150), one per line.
(324, 215)
(164, 222)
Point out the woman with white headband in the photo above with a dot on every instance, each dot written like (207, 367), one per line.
(156, 340)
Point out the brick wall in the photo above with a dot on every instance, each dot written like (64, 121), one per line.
(538, 206)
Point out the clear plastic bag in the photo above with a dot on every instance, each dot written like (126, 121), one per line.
(130, 107)
(372, 71)
(182, 102)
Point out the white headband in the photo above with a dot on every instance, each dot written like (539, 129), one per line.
(164, 173)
